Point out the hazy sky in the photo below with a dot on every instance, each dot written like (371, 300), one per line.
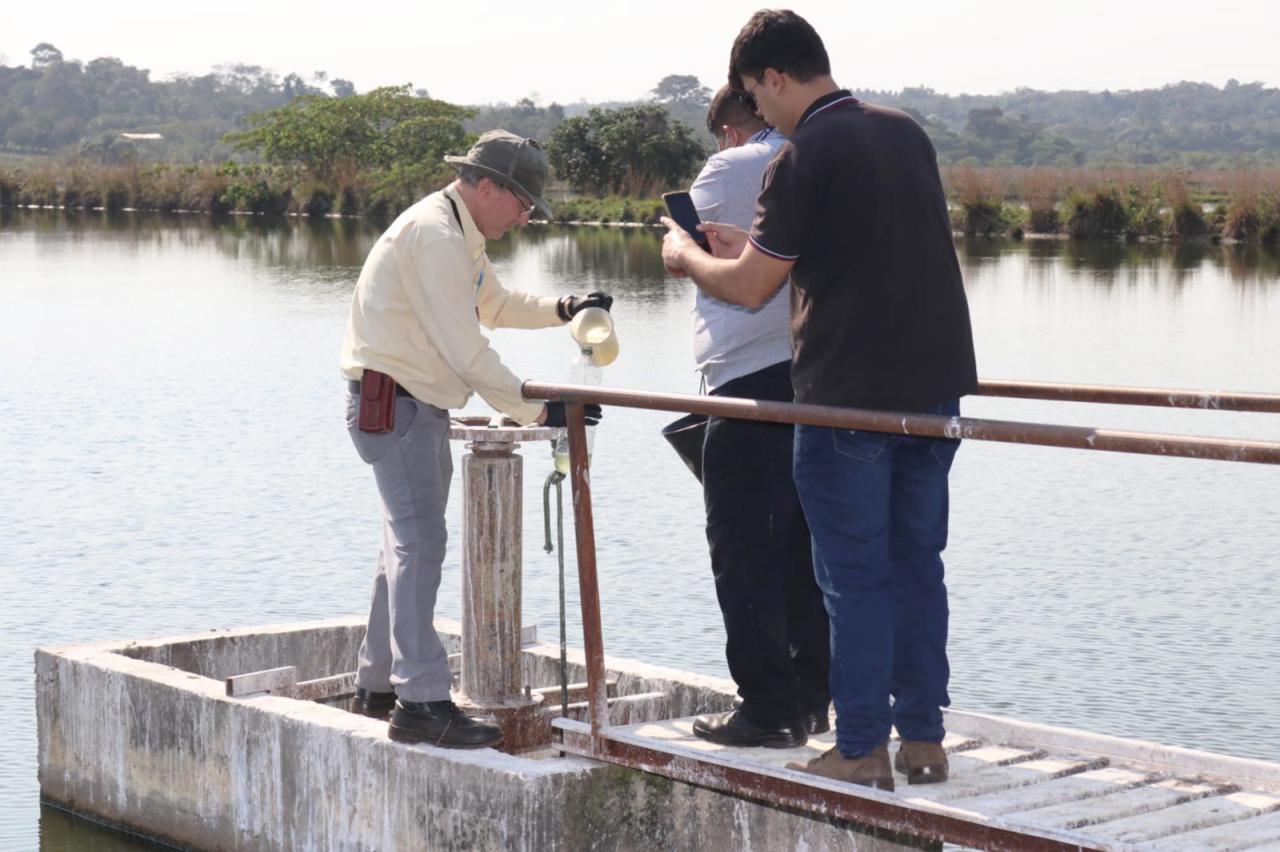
(494, 50)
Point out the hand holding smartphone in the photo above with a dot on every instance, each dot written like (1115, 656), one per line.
(681, 208)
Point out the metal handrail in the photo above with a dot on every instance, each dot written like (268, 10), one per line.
(933, 425)
(1164, 397)
(1044, 434)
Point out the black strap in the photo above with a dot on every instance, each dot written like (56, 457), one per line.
(457, 216)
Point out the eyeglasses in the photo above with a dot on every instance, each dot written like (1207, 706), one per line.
(527, 206)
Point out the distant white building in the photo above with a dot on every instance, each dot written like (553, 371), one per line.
(142, 137)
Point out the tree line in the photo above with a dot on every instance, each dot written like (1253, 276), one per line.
(56, 105)
(1188, 125)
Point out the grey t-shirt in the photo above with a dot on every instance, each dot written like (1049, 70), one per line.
(730, 341)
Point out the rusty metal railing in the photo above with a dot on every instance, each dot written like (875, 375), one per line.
(1042, 434)
(1165, 397)
(936, 426)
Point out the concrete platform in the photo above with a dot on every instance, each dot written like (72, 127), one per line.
(1013, 786)
(143, 736)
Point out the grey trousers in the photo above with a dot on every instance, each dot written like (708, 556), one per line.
(412, 468)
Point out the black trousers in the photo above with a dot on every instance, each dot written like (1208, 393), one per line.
(777, 648)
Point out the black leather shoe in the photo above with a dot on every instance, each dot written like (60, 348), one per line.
(440, 723)
(366, 702)
(817, 722)
(734, 729)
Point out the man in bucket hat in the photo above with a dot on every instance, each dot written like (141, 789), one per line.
(413, 350)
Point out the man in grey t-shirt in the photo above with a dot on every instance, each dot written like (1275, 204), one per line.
(776, 626)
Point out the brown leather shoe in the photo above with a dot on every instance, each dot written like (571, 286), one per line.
(870, 770)
(921, 762)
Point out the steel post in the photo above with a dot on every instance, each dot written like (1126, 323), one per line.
(588, 585)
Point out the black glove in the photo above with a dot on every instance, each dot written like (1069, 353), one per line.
(570, 305)
(556, 414)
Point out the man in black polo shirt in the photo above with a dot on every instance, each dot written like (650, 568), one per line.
(852, 209)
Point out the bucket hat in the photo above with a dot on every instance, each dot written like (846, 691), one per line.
(511, 161)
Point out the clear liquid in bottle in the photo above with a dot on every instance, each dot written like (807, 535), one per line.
(583, 371)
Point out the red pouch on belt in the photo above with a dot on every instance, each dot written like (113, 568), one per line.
(377, 402)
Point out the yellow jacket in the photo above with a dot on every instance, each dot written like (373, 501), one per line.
(425, 288)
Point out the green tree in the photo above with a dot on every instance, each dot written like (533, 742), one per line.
(333, 138)
(684, 89)
(636, 150)
(684, 96)
(44, 54)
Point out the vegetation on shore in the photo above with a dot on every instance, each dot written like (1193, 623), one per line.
(372, 154)
(301, 151)
(1176, 205)
(1076, 203)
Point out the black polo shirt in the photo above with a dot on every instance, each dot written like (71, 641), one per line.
(879, 317)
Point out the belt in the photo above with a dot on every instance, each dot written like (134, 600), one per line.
(353, 385)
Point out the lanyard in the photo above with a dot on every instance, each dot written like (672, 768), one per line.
(458, 217)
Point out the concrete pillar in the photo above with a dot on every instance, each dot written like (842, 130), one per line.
(492, 678)
(492, 482)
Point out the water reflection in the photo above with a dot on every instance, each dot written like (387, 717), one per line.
(1109, 263)
(64, 832)
(594, 257)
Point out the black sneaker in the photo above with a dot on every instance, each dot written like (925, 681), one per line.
(734, 729)
(440, 723)
(378, 705)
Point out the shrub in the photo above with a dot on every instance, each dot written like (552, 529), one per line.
(1143, 210)
(1269, 220)
(349, 201)
(73, 190)
(984, 218)
(38, 187)
(204, 190)
(1100, 213)
(256, 196)
(1187, 222)
(980, 199)
(1186, 218)
(1244, 220)
(611, 208)
(316, 199)
(8, 190)
(112, 191)
(1039, 190)
(1044, 220)
(161, 187)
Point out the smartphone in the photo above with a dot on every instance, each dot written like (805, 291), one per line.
(681, 208)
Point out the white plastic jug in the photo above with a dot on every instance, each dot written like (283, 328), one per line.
(593, 330)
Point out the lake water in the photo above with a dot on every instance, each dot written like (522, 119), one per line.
(173, 459)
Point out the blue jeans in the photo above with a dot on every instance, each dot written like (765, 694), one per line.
(877, 509)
